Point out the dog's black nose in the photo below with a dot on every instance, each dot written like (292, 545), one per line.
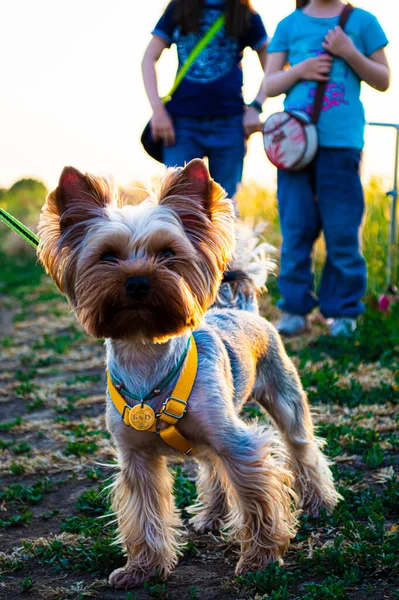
(137, 287)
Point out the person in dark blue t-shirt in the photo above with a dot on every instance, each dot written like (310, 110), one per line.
(207, 116)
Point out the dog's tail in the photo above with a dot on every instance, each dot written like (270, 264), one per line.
(248, 272)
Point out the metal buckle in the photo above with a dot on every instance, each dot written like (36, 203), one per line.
(168, 414)
(123, 414)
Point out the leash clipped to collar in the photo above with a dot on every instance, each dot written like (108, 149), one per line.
(19, 228)
(142, 417)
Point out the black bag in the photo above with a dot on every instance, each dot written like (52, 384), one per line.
(152, 147)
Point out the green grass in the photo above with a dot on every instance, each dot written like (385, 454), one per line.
(18, 493)
(184, 489)
(15, 498)
(94, 501)
(60, 344)
(81, 448)
(16, 520)
(7, 426)
(375, 340)
(37, 404)
(22, 448)
(27, 584)
(17, 469)
(157, 590)
(18, 274)
(95, 556)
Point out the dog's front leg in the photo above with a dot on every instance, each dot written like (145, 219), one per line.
(147, 518)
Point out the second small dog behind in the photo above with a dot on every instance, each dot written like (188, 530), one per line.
(143, 277)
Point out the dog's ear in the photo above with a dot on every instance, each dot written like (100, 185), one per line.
(196, 180)
(66, 215)
(79, 197)
(191, 183)
(205, 212)
(72, 187)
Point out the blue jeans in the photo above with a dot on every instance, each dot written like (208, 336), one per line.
(221, 139)
(326, 196)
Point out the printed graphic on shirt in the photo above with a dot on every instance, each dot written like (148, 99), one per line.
(333, 97)
(218, 57)
(335, 93)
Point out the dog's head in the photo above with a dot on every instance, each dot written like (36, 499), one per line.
(148, 271)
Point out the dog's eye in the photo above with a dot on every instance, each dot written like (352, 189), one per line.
(166, 253)
(109, 257)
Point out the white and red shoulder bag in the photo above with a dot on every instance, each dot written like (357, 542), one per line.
(290, 137)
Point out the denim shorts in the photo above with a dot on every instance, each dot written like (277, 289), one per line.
(220, 139)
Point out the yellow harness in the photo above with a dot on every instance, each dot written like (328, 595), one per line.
(142, 417)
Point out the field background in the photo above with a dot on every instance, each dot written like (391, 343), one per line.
(56, 457)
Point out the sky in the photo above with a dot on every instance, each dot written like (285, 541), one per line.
(72, 92)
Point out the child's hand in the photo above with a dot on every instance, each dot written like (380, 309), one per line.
(338, 43)
(162, 126)
(316, 69)
(251, 121)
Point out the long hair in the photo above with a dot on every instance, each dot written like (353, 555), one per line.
(237, 15)
(301, 3)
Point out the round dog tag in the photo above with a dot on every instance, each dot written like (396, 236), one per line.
(142, 417)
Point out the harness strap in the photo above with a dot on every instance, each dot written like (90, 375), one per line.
(322, 85)
(176, 440)
(174, 407)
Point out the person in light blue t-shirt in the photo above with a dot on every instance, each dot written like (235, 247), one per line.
(327, 195)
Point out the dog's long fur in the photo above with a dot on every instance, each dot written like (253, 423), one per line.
(180, 242)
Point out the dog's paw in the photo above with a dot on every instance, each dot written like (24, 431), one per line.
(315, 487)
(257, 563)
(126, 578)
(315, 501)
(203, 523)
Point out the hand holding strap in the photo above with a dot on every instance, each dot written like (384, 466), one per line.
(322, 85)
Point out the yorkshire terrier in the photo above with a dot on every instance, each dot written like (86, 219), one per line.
(143, 277)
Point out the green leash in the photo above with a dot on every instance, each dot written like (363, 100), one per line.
(195, 52)
(19, 228)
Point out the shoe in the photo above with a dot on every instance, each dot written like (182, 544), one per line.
(341, 326)
(291, 324)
